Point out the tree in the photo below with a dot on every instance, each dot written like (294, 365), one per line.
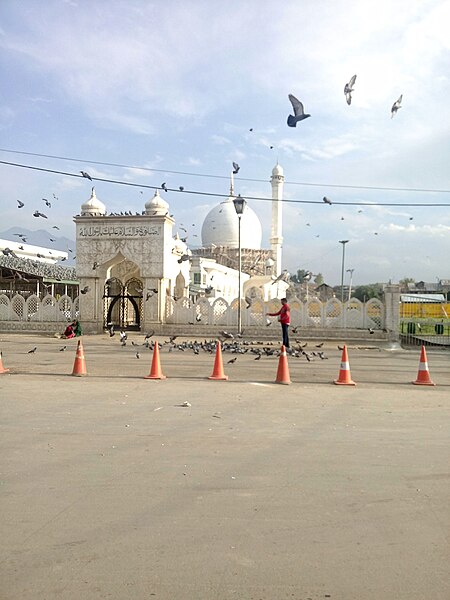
(301, 276)
(318, 280)
(366, 292)
(404, 282)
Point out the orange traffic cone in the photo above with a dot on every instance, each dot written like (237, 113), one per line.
(283, 368)
(218, 372)
(344, 373)
(423, 376)
(79, 366)
(155, 371)
(2, 370)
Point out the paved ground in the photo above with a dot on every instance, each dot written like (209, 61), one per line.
(110, 489)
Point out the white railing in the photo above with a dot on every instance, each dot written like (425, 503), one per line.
(311, 314)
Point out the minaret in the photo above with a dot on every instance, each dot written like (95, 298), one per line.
(276, 239)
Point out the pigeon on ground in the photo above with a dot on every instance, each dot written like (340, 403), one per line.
(227, 335)
(84, 174)
(20, 204)
(138, 355)
(396, 106)
(299, 112)
(258, 357)
(111, 331)
(236, 168)
(348, 89)
(62, 349)
(232, 360)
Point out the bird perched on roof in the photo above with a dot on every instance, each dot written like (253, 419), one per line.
(348, 89)
(396, 106)
(236, 168)
(86, 175)
(326, 200)
(299, 112)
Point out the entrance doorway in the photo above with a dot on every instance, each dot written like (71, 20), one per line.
(123, 304)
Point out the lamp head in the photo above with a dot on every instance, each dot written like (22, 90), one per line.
(239, 204)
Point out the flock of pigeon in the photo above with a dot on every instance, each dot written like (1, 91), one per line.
(229, 344)
(299, 111)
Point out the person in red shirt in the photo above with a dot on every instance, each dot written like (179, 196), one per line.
(284, 316)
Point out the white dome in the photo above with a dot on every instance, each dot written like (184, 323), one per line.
(93, 206)
(220, 227)
(156, 205)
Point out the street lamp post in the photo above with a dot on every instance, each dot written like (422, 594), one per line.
(351, 281)
(239, 207)
(343, 242)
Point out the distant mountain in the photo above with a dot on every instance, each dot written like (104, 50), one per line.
(41, 237)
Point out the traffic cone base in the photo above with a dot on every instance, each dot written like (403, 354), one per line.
(423, 376)
(344, 377)
(283, 368)
(218, 373)
(2, 369)
(155, 371)
(79, 366)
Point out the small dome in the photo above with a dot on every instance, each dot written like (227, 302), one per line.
(156, 205)
(221, 227)
(277, 170)
(93, 206)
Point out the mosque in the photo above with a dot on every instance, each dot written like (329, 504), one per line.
(129, 265)
(131, 269)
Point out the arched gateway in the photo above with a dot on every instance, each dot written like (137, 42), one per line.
(127, 265)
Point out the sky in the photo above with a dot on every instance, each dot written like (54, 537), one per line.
(171, 89)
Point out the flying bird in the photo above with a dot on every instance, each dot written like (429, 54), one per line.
(47, 203)
(284, 276)
(183, 258)
(84, 174)
(95, 265)
(326, 200)
(62, 349)
(236, 168)
(55, 227)
(32, 351)
(396, 106)
(348, 89)
(20, 204)
(85, 290)
(39, 214)
(138, 355)
(299, 112)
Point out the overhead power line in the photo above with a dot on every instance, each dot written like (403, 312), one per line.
(216, 195)
(209, 175)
